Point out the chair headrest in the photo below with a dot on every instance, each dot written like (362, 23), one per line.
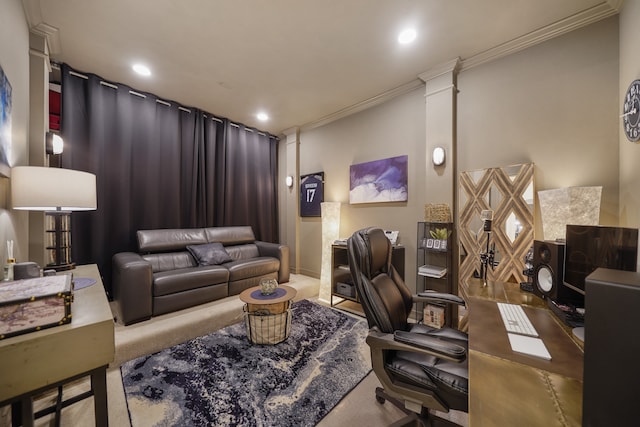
(379, 250)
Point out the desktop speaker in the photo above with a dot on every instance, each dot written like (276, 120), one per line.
(548, 268)
(611, 367)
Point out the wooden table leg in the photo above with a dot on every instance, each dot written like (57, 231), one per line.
(99, 387)
(27, 411)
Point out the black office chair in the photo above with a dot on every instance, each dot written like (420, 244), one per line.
(419, 367)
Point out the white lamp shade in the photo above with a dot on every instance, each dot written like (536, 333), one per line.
(48, 189)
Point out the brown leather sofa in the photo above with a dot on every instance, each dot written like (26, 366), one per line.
(180, 268)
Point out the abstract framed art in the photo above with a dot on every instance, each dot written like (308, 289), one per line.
(379, 181)
(5, 124)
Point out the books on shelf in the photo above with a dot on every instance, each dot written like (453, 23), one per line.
(432, 271)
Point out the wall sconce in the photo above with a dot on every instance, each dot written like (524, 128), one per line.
(438, 156)
(57, 192)
(289, 181)
(54, 143)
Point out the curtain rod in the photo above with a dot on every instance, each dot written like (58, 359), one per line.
(159, 101)
(109, 85)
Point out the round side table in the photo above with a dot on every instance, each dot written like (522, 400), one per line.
(268, 317)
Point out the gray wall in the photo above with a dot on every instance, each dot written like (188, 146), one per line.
(393, 129)
(14, 59)
(629, 151)
(554, 104)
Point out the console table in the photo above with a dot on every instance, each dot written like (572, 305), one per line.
(508, 388)
(39, 361)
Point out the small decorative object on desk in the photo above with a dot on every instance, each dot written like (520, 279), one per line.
(34, 304)
(434, 316)
(11, 261)
(268, 286)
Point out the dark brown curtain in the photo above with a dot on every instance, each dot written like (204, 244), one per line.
(160, 165)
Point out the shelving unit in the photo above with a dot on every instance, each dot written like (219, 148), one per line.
(342, 286)
(435, 259)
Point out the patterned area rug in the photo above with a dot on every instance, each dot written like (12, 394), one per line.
(222, 380)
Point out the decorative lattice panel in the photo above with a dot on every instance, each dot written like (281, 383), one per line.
(509, 192)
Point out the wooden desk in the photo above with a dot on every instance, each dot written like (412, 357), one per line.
(38, 361)
(507, 388)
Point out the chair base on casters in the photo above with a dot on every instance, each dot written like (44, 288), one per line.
(424, 419)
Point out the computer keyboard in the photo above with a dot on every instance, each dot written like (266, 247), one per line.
(515, 320)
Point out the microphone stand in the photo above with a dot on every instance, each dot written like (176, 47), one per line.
(487, 258)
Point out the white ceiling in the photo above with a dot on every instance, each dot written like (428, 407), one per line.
(302, 61)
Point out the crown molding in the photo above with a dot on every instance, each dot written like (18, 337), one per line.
(579, 20)
(33, 14)
(616, 4)
(442, 69)
(366, 104)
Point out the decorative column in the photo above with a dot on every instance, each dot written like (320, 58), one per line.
(290, 218)
(441, 157)
(330, 212)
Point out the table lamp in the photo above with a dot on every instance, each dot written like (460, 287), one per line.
(57, 192)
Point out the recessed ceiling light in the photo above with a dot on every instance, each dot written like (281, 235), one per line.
(407, 36)
(263, 117)
(143, 70)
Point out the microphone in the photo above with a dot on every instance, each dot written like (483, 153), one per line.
(487, 218)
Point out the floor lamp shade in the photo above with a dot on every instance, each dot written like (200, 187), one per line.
(37, 188)
(57, 192)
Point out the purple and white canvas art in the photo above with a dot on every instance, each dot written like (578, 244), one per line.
(379, 181)
(5, 123)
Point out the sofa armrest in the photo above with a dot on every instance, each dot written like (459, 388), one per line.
(132, 281)
(279, 251)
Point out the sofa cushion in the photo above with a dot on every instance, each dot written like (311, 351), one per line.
(170, 282)
(243, 269)
(209, 254)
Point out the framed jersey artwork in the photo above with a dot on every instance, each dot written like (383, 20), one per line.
(311, 193)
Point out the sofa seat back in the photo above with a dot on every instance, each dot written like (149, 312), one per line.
(170, 261)
(170, 240)
(232, 235)
(240, 252)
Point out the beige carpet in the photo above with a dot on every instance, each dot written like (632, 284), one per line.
(358, 407)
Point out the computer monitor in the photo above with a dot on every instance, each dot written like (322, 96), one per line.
(589, 247)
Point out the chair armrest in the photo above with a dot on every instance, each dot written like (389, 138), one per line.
(443, 348)
(132, 282)
(416, 343)
(442, 298)
(278, 251)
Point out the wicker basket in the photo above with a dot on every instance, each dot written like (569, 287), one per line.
(437, 212)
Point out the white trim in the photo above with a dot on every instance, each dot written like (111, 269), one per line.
(579, 20)
(364, 105)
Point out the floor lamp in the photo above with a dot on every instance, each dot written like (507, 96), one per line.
(330, 212)
(57, 192)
